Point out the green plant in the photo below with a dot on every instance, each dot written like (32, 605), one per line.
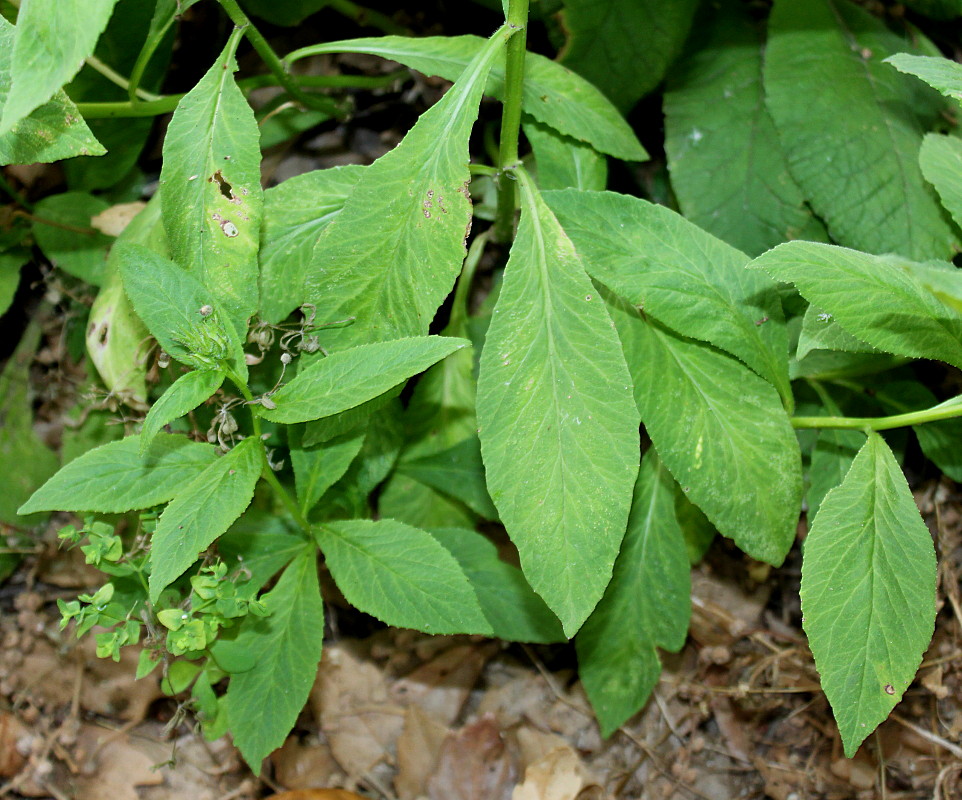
(301, 312)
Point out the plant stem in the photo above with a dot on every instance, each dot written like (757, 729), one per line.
(457, 325)
(511, 118)
(126, 108)
(273, 62)
(368, 17)
(14, 195)
(118, 80)
(947, 410)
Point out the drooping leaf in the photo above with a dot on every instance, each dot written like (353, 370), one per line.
(855, 152)
(832, 457)
(515, 612)
(457, 472)
(727, 166)
(263, 703)
(401, 575)
(647, 604)
(882, 300)
(563, 162)
(211, 189)
(558, 428)
(868, 592)
(318, 468)
(351, 377)
(394, 251)
(941, 161)
(63, 231)
(50, 42)
(295, 213)
(115, 478)
(201, 511)
(553, 94)
(184, 395)
(942, 74)
(682, 276)
(624, 47)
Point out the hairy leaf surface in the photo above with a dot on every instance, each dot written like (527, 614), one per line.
(185, 394)
(457, 472)
(318, 468)
(941, 161)
(941, 74)
(563, 162)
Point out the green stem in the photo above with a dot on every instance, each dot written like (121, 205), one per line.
(273, 62)
(368, 17)
(329, 81)
(125, 108)
(14, 195)
(457, 325)
(947, 410)
(119, 80)
(511, 119)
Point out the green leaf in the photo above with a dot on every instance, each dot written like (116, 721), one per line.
(624, 47)
(820, 331)
(211, 189)
(182, 314)
(727, 166)
(401, 575)
(832, 457)
(62, 230)
(295, 214)
(263, 703)
(868, 592)
(855, 151)
(941, 161)
(563, 162)
(559, 431)
(50, 42)
(394, 251)
(351, 377)
(457, 472)
(318, 468)
(115, 478)
(10, 264)
(552, 93)
(724, 436)
(683, 277)
(882, 300)
(942, 74)
(201, 511)
(515, 612)
(646, 605)
(259, 544)
(185, 394)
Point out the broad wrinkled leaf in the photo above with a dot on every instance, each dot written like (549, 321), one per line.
(727, 166)
(724, 436)
(942, 74)
(211, 189)
(558, 428)
(868, 592)
(115, 478)
(515, 612)
(201, 511)
(820, 331)
(855, 151)
(184, 395)
(183, 315)
(318, 468)
(941, 161)
(401, 575)
(563, 162)
(263, 703)
(393, 253)
(77, 248)
(624, 47)
(647, 604)
(553, 94)
(682, 276)
(832, 457)
(50, 42)
(882, 300)
(295, 214)
(350, 377)
(457, 472)
(408, 500)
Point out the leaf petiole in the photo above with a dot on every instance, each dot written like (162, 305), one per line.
(947, 410)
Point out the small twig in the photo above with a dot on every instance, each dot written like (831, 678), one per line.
(954, 749)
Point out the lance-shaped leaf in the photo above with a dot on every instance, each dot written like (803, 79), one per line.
(942, 74)
(211, 189)
(515, 612)
(563, 162)
(346, 379)
(263, 702)
(264, 542)
(941, 161)
(727, 166)
(884, 301)
(51, 40)
(115, 477)
(295, 214)
(724, 436)
(820, 331)
(646, 605)
(201, 511)
(854, 152)
(457, 472)
(832, 457)
(318, 468)
(558, 428)
(552, 94)
(624, 47)
(393, 253)
(868, 592)
(82, 253)
(681, 275)
(401, 575)
(184, 395)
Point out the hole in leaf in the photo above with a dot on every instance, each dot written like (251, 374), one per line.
(225, 188)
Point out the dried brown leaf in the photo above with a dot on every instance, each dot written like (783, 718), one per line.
(474, 764)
